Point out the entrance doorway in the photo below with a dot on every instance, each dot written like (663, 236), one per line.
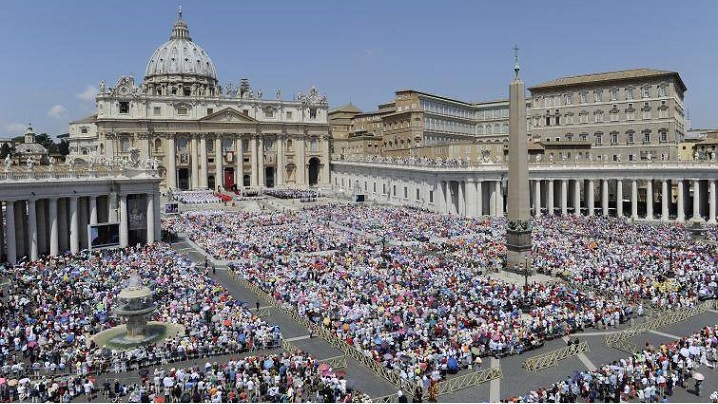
(182, 179)
(211, 183)
(313, 171)
(228, 178)
(269, 177)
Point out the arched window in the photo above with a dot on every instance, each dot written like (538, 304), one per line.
(158, 145)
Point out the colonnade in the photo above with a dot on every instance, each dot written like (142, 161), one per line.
(666, 196)
(53, 225)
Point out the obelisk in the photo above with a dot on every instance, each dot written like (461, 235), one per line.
(518, 231)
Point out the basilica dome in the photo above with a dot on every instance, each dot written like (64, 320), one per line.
(180, 57)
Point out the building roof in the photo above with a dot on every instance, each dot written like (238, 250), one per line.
(88, 119)
(707, 142)
(608, 76)
(346, 108)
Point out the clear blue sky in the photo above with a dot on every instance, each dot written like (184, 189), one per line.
(360, 51)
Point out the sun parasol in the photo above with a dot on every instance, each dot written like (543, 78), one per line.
(698, 376)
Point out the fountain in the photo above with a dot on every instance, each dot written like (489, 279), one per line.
(136, 304)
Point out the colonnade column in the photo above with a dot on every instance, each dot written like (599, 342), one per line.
(218, 163)
(634, 199)
(564, 197)
(499, 200)
(537, 198)
(43, 247)
(664, 200)
(195, 163)
(649, 199)
(21, 235)
(577, 197)
(75, 226)
(604, 197)
(549, 197)
(712, 202)
(479, 198)
(461, 211)
(470, 197)
(254, 180)
(680, 213)
(697, 200)
(280, 160)
(93, 209)
(150, 218)
(590, 203)
(52, 219)
(619, 198)
(300, 161)
(203, 160)
(10, 231)
(171, 163)
(124, 236)
(32, 228)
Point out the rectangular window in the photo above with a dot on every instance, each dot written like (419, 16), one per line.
(187, 91)
(629, 138)
(646, 92)
(662, 91)
(83, 130)
(394, 190)
(210, 111)
(614, 138)
(312, 113)
(646, 137)
(431, 196)
(548, 102)
(629, 93)
(597, 96)
(269, 113)
(598, 117)
(375, 187)
(124, 107)
(181, 110)
(584, 137)
(583, 118)
(125, 144)
(406, 192)
(583, 98)
(664, 137)
(245, 112)
(157, 110)
(614, 94)
(289, 114)
(417, 194)
(599, 138)
(568, 99)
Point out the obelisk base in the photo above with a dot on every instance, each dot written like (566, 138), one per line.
(518, 250)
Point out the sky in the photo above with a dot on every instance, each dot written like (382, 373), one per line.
(55, 53)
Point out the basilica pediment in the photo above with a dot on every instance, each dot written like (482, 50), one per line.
(228, 115)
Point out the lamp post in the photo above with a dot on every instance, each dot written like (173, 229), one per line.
(526, 271)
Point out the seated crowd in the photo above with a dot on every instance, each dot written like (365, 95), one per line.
(196, 197)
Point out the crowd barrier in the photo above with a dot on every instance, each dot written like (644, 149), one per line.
(551, 359)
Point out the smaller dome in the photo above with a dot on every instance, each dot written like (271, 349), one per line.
(180, 56)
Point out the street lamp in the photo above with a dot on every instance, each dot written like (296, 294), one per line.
(526, 270)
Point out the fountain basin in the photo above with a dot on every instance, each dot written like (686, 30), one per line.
(118, 337)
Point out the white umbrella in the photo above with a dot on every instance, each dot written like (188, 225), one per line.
(24, 380)
(698, 376)
(168, 381)
(685, 352)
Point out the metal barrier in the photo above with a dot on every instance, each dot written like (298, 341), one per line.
(335, 362)
(451, 385)
(550, 359)
(621, 340)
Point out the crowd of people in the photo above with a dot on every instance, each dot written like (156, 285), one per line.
(649, 376)
(196, 197)
(428, 309)
(293, 193)
(54, 306)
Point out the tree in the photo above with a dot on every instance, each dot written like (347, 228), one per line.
(63, 148)
(5, 150)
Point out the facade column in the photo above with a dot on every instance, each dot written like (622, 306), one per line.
(665, 200)
(549, 197)
(470, 197)
(52, 219)
(239, 169)
(203, 160)
(680, 211)
(712, 202)
(10, 232)
(649, 199)
(564, 197)
(696, 200)
(604, 197)
(479, 198)
(157, 217)
(32, 229)
(619, 198)
(591, 202)
(195, 163)
(218, 163)
(537, 198)
(260, 162)
(124, 223)
(63, 227)
(254, 179)
(461, 199)
(634, 199)
(325, 159)
(171, 163)
(150, 218)
(281, 165)
(300, 162)
(74, 226)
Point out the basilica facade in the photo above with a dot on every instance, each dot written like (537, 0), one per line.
(202, 135)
